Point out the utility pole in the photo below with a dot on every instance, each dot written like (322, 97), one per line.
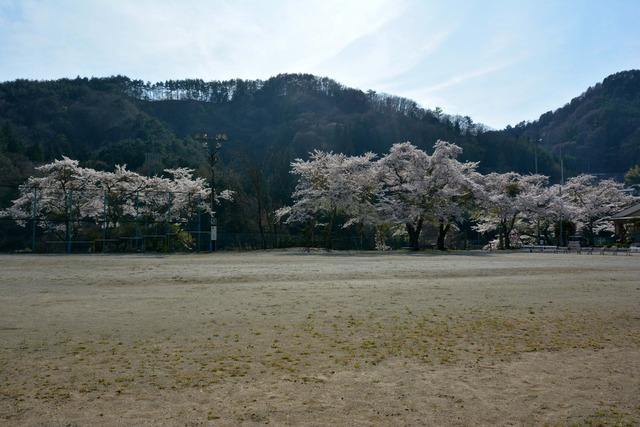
(535, 157)
(33, 220)
(535, 153)
(561, 167)
(561, 204)
(212, 145)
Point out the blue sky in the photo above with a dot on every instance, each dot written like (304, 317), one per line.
(498, 61)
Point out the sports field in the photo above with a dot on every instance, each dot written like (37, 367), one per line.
(289, 338)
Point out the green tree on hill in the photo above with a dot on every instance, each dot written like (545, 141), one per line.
(9, 140)
(632, 176)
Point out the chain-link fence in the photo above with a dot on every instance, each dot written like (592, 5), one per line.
(96, 220)
(93, 220)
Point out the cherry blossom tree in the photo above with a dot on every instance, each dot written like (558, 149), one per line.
(504, 201)
(116, 195)
(181, 196)
(542, 211)
(331, 184)
(405, 188)
(404, 195)
(593, 201)
(65, 195)
(455, 188)
(314, 194)
(56, 198)
(417, 187)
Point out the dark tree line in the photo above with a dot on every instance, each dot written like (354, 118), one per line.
(598, 131)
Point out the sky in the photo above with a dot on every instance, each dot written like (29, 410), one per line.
(499, 62)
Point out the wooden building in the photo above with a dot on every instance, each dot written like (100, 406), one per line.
(627, 224)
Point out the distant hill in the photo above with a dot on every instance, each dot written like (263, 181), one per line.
(104, 121)
(598, 131)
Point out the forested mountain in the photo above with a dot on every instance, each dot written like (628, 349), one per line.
(597, 132)
(116, 120)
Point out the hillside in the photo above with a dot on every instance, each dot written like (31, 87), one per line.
(598, 131)
(117, 120)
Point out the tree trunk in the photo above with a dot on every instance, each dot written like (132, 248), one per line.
(414, 234)
(274, 231)
(311, 234)
(507, 240)
(508, 227)
(260, 225)
(256, 175)
(442, 234)
(263, 241)
(67, 226)
(329, 238)
(501, 235)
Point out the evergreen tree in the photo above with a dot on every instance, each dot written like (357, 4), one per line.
(632, 177)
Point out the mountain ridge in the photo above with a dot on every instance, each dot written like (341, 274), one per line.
(104, 121)
(598, 130)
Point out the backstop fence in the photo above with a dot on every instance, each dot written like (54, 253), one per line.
(97, 221)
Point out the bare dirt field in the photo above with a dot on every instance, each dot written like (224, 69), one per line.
(287, 338)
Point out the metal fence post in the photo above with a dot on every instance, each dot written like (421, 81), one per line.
(105, 223)
(137, 220)
(33, 220)
(199, 229)
(170, 197)
(69, 196)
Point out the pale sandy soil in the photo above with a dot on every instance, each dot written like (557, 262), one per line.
(296, 339)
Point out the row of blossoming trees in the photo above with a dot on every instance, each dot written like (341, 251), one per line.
(407, 189)
(400, 193)
(65, 198)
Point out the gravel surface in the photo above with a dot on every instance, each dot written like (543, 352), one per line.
(289, 338)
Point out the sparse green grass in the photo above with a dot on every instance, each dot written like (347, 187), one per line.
(304, 349)
(199, 337)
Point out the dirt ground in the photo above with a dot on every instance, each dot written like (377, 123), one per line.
(288, 338)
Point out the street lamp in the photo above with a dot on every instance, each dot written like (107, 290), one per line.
(535, 154)
(538, 142)
(212, 145)
(561, 240)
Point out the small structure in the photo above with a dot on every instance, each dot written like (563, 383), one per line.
(627, 224)
(576, 242)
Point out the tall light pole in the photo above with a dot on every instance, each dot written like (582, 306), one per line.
(535, 151)
(212, 145)
(535, 154)
(561, 240)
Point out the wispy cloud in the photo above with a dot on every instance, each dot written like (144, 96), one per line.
(466, 76)
(382, 59)
(159, 40)
(465, 56)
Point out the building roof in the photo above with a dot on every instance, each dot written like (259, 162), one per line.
(632, 212)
